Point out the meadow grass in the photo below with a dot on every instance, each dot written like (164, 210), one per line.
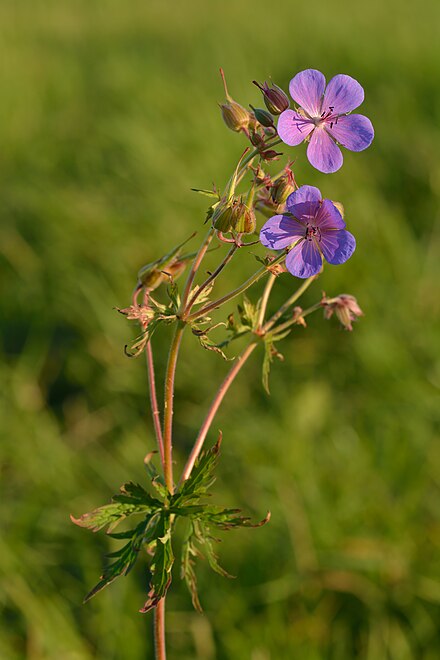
(108, 117)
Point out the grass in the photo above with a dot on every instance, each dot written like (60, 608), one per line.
(108, 118)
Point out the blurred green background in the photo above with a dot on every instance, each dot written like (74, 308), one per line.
(108, 117)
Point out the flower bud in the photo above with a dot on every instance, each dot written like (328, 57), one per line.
(222, 216)
(263, 117)
(344, 306)
(275, 99)
(234, 216)
(283, 187)
(234, 115)
(150, 277)
(244, 220)
(256, 140)
(270, 154)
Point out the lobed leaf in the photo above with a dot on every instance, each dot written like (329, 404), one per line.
(201, 478)
(161, 564)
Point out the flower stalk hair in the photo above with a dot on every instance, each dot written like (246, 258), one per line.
(293, 231)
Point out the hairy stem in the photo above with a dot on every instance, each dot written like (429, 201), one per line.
(289, 302)
(169, 406)
(215, 404)
(229, 296)
(159, 630)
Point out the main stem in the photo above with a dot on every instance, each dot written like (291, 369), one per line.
(159, 630)
(215, 404)
(169, 405)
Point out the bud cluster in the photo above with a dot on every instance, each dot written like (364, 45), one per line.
(234, 216)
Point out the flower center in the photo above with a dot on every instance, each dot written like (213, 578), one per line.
(312, 232)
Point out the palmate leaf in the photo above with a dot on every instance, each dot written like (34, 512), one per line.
(132, 499)
(126, 556)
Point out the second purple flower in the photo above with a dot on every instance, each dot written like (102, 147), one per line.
(314, 229)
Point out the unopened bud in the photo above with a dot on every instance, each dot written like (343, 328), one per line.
(257, 140)
(234, 216)
(283, 187)
(344, 306)
(150, 277)
(270, 154)
(263, 117)
(234, 115)
(244, 220)
(222, 217)
(275, 99)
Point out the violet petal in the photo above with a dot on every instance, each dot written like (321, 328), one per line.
(304, 260)
(323, 153)
(354, 132)
(303, 194)
(328, 217)
(292, 128)
(307, 88)
(337, 246)
(343, 94)
(305, 212)
(280, 231)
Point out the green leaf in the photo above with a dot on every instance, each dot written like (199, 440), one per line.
(157, 481)
(206, 542)
(208, 193)
(126, 556)
(204, 294)
(133, 499)
(207, 343)
(161, 563)
(202, 477)
(226, 519)
(187, 572)
(248, 313)
(269, 353)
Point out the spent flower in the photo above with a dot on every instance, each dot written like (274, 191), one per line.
(344, 306)
(322, 117)
(312, 229)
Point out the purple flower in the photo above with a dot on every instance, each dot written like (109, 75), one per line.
(323, 118)
(313, 228)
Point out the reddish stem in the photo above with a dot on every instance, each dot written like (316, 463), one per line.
(159, 630)
(238, 363)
